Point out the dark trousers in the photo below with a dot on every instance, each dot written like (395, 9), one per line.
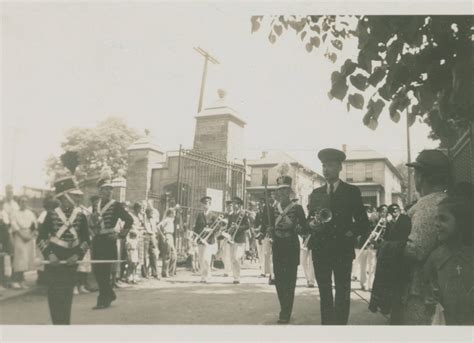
(334, 312)
(61, 281)
(285, 283)
(285, 267)
(150, 244)
(104, 248)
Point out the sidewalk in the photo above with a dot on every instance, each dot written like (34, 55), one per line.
(9, 293)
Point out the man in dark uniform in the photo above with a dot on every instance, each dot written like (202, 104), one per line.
(333, 242)
(286, 246)
(63, 236)
(204, 220)
(105, 215)
(237, 248)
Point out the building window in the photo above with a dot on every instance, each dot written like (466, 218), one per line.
(369, 172)
(349, 172)
(264, 176)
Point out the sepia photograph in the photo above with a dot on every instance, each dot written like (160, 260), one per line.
(236, 164)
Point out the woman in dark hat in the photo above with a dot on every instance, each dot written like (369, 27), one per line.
(286, 246)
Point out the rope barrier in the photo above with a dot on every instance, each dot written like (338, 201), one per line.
(84, 262)
(368, 303)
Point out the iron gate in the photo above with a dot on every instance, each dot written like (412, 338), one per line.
(200, 174)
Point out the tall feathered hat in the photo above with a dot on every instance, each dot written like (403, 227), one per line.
(105, 179)
(65, 182)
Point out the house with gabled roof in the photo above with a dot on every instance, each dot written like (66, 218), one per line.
(375, 175)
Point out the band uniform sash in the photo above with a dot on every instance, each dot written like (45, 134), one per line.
(101, 211)
(67, 222)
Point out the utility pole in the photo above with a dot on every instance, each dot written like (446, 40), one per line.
(408, 161)
(207, 58)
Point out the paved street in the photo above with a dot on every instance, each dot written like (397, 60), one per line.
(183, 300)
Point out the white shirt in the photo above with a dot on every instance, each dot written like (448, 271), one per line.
(168, 225)
(334, 185)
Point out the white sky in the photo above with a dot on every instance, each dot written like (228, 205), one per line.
(66, 65)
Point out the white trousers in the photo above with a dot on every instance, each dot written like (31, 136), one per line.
(367, 267)
(267, 255)
(306, 261)
(226, 257)
(261, 257)
(237, 250)
(205, 253)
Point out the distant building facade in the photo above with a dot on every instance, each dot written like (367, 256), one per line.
(377, 178)
(270, 166)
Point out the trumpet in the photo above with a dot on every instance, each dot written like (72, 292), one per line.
(231, 232)
(204, 236)
(323, 215)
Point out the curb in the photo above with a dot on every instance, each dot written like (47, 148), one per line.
(11, 294)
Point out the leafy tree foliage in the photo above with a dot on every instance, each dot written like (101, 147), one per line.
(106, 144)
(419, 64)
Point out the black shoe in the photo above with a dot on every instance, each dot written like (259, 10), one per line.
(236, 282)
(283, 321)
(101, 306)
(271, 281)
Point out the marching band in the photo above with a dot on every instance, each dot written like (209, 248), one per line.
(323, 241)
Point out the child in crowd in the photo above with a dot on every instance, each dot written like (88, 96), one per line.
(193, 253)
(132, 256)
(449, 270)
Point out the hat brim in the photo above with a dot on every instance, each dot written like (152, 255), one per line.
(414, 165)
(283, 186)
(330, 154)
(76, 192)
(107, 184)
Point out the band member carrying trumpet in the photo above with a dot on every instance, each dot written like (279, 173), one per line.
(238, 224)
(289, 215)
(63, 236)
(205, 239)
(333, 241)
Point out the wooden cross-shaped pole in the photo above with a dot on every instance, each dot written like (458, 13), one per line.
(207, 58)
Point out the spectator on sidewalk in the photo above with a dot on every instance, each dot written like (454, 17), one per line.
(150, 246)
(167, 228)
(24, 231)
(139, 227)
(431, 181)
(5, 248)
(449, 270)
(132, 256)
(10, 205)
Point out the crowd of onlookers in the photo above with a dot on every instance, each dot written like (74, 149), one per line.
(18, 230)
(149, 242)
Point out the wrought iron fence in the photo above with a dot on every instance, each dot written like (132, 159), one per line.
(199, 174)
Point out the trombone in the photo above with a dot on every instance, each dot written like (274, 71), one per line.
(205, 234)
(374, 235)
(231, 232)
(323, 215)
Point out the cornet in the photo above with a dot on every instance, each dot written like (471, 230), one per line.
(321, 216)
